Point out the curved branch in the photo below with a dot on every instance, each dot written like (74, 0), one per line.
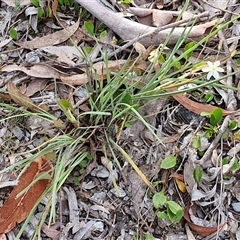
(129, 30)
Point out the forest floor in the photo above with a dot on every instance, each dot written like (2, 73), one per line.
(119, 120)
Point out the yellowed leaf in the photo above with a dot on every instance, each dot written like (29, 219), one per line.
(181, 185)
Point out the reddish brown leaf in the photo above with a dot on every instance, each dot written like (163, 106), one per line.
(5, 97)
(3, 237)
(198, 107)
(201, 230)
(17, 208)
(178, 176)
(54, 10)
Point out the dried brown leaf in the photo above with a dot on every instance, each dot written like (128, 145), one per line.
(22, 99)
(54, 10)
(3, 237)
(35, 86)
(100, 71)
(51, 232)
(5, 42)
(141, 12)
(70, 51)
(158, 18)
(198, 107)
(17, 208)
(5, 97)
(51, 39)
(38, 70)
(78, 79)
(140, 49)
(161, 18)
(201, 230)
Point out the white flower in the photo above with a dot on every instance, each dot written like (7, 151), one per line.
(213, 69)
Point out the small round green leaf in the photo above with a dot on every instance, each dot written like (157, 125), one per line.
(173, 206)
(238, 62)
(35, 3)
(103, 34)
(162, 215)
(198, 172)
(233, 125)
(159, 199)
(13, 34)
(196, 142)
(168, 162)
(89, 27)
(208, 97)
(40, 12)
(88, 49)
(236, 165)
(149, 237)
(216, 117)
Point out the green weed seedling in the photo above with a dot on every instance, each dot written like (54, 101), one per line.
(167, 209)
(196, 142)
(13, 33)
(215, 118)
(233, 125)
(143, 237)
(64, 4)
(230, 167)
(44, 8)
(67, 109)
(90, 28)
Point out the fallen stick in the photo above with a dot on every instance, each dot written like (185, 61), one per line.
(129, 30)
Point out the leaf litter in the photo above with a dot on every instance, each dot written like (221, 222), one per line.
(97, 208)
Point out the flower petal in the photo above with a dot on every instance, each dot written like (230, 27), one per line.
(215, 74)
(217, 63)
(219, 69)
(209, 75)
(206, 69)
(210, 64)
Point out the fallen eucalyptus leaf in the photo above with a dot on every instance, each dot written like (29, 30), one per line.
(32, 183)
